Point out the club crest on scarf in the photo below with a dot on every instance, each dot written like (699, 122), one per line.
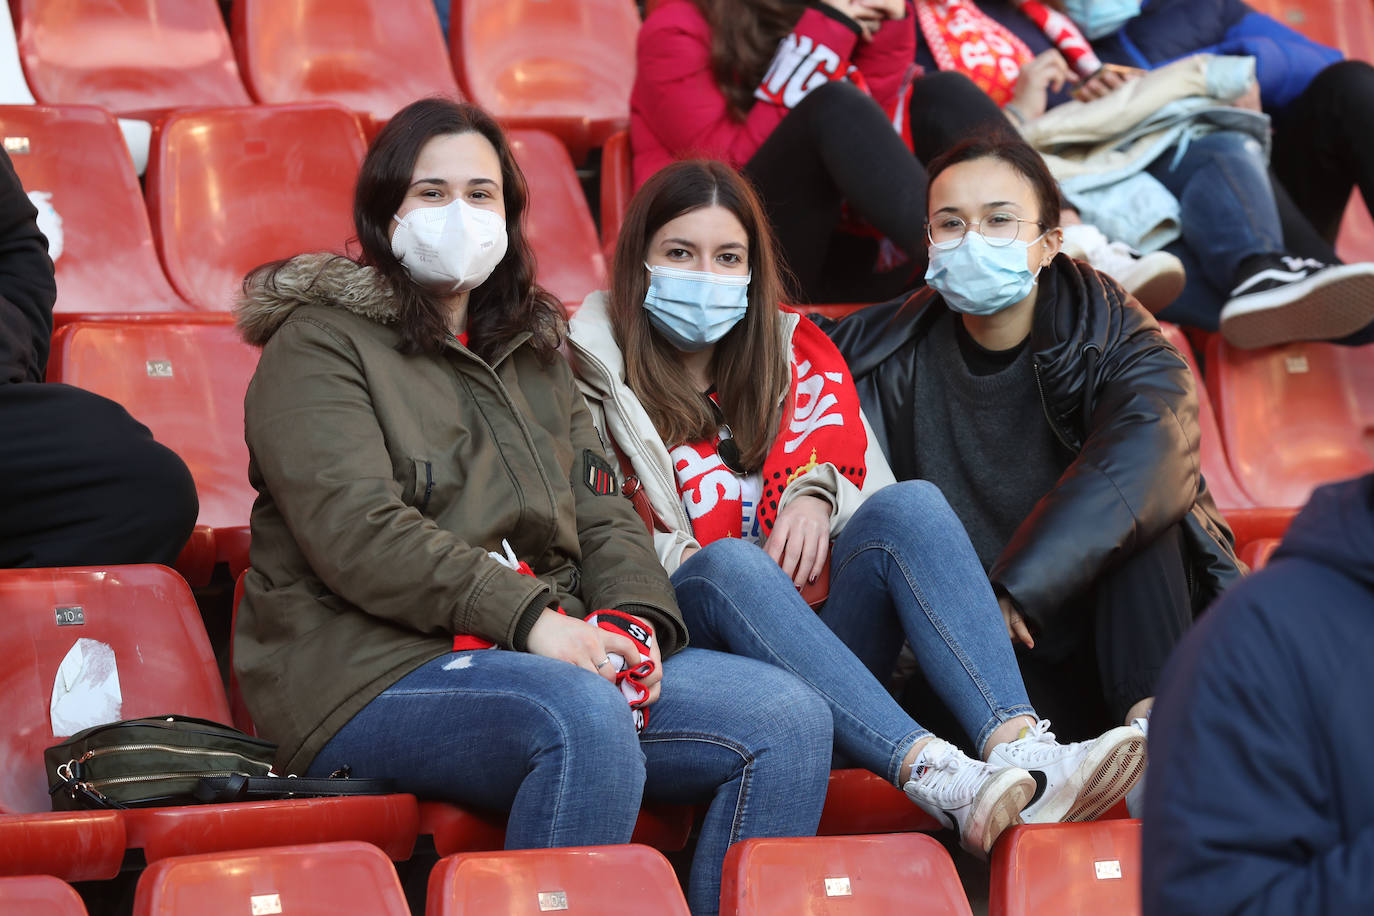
(820, 425)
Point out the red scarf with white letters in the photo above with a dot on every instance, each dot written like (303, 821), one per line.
(820, 425)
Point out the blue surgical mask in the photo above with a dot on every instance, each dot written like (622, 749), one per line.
(978, 278)
(695, 308)
(1100, 18)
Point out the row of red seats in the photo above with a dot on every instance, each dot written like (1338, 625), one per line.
(1043, 869)
(560, 65)
(231, 188)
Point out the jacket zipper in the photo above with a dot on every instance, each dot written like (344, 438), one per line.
(1045, 405)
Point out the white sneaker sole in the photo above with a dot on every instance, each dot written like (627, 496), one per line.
(1329, 305)
(1115, 762)
(996, 807)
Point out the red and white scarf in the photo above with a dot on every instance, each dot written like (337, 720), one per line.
(962, 37)
(820, 425)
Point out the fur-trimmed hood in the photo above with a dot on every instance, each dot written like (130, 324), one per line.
(270, 297)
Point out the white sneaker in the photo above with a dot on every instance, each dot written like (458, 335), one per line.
(1155, 279)
(1135, 799)
(975, 800)
(1074, 782)
(1283, 299)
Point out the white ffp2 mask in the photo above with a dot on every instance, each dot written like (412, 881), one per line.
(453, 248)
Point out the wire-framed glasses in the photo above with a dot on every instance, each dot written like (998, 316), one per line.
(999, 228)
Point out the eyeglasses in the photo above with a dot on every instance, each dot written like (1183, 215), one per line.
(726, 447)
(999, 228)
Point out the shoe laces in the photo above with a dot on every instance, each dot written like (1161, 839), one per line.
(1037, 744)
(950, 775)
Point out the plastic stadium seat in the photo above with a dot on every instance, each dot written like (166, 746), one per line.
(39, 895)
(128, 55)
(147, 616)
(858, 801)
(232, 188)
(617, 187)
(581, 881)
(73, 845)
(185, 381)
(1248, 520)
(1057, 869)
(73, 160)
(877, 875)
(1290, 417)
(373, 56)
(456, 829)
(565, 66)
(1257, 553)
(560, 228)
(323, 879)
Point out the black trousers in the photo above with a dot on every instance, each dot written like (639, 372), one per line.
(1105, 652)
(82, 483)
(1324, 145)
(837, 145)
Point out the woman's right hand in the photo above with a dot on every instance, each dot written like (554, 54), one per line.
(1017, 629)
(573, 640)
(1049, 71)
(868, 17)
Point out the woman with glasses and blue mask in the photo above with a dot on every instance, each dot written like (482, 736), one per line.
(741, 423)
(1062, 427)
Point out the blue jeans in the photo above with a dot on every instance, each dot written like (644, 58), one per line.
(1227, 212)
(902, 566)
(554, 744)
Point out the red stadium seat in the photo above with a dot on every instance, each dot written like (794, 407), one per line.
(617, 187)
(39, 895)
(322, 879)
(858, 801)
(456, 829)
(559, 227)
(147, 615)
(1054, 869)
(74, 158)
(73, 845)
(186, 382)
(565, 66)
(1247, 520)
(372, 56)
(877, 875)
(581, 881)
(128, 55)
(1290, 417)
(1257, 553)
(232, 188)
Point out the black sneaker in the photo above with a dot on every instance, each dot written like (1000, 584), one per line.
(1285, 299)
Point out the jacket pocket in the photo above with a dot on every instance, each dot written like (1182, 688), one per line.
(420, 488)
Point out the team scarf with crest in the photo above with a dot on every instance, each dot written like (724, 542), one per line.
(962, 37)
(820, 425)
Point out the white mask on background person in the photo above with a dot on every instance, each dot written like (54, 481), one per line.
(978, 278)
(451, 248)
(1100, 18)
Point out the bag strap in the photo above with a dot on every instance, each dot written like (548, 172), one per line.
(235, 787)
(634, 491)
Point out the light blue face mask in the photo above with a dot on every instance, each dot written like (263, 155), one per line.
(978, 278)
(695, 308)
(1100, 18)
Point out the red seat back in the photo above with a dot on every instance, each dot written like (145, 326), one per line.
(320, 879)
(39, 895)
(128, 55)
(558, 224)
(73, 158)
(232, 188)
(581, 881)
(877, 875)
(145, 614)
(617, 187)
(1052, 869)
(372, 56)
(185, 382)
(1257, 553)
(565, 66)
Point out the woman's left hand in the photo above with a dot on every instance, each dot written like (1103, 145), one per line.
(800, 540)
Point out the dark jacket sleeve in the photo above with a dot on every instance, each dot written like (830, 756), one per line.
(27, 288)
(1243, 808)
(1137, 473)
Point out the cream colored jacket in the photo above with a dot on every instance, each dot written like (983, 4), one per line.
(619, 416)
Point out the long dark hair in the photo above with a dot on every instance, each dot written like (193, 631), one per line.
(744, 38)
(509, 302)
(750, 365)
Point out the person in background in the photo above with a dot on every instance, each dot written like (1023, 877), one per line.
(431, 488)
(82, 483)
(743, 427)
(1061, 426)
(1238, 819)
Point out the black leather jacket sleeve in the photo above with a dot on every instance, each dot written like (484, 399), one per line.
(27, 288)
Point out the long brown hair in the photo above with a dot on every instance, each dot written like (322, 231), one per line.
(750, 365)
(509, 302)
(744, 38)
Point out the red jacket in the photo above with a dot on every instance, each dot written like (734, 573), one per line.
(677, 111)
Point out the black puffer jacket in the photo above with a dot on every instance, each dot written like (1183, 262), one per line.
(1114, 391)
